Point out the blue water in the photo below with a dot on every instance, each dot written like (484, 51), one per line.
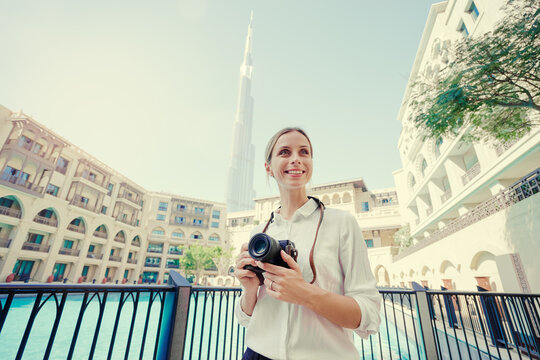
(221, 339)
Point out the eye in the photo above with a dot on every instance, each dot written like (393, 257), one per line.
(283, 152)
(304, 151)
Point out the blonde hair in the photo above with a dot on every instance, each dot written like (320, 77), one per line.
(273, 140)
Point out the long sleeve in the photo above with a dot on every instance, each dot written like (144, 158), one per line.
(242, 318)
(359, 282)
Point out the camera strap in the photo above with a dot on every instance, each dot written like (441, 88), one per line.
(321, 208)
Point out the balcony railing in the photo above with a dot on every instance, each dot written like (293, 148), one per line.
(120, 239)
(501, 148)
(471, 173)
(61, 170)
(83, 205)
(76, 228)
(115, 258)
(126, 195)
(35, 247)
(173, 266)
(175, 252)
(46, 221)
(154, 250)
(152, 265)
(22, 183)
(29, 147)
(86, 175)
(4, 243)
(132, 261)
(100, 234)
(93, 255)
(136, 243)
(66, 251)
(127, 221)
(446, 195)
(10, 212)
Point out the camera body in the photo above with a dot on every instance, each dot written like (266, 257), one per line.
(264, 248)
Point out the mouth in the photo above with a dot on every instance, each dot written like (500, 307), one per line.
(294, 172)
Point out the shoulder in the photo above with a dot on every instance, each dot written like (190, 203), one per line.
(337, 216)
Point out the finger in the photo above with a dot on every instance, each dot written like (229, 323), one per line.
(271, 285)
(244, 247)
(271, 268)
(244, 274)
(240, 264)
(289, 260)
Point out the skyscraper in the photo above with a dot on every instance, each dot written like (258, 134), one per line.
(240, 192)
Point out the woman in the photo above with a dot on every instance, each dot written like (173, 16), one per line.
(305, 311)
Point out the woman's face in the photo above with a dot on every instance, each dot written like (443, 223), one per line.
(291, 163)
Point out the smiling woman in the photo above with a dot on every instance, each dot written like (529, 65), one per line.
(307, 309)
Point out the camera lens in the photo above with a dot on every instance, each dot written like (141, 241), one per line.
(260, 246)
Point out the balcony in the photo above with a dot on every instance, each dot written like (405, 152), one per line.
(157, 237)
(46, 221)
(29, 149)
(76, 228)
(471, 173)
(132, 261)
(21, 184)
(100, 234)
(134, 200)
(136, 243)
(10, 212)
(501, 148)
(120, 239)
(446, 195)
(156, 251)
(93, 255)
(4, 243)
(35, 247)
(173, 266)
(92, 178)
(152, 265)
(83, 205)
(175, 252)
(61, 169)
(115, 258)
(66, 251)
(127, 221)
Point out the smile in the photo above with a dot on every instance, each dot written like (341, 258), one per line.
(294, 171)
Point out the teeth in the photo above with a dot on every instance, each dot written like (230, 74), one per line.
(294, 172)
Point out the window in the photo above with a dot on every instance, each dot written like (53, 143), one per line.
(126, 273)
(473, 11)
(424, 166)
(158, 232)
(180, 207)
(25, 142)
(215, 224)
(197, 222)
(46, 213)
(155, 247)
(35, 238)
(160, 217)
(110, 188)
(62, 164)
(130, 255)
(365, 206)
(112, 252)
(103, 209)
(438, 145)
(15, 176)
(76, 222)
(91, 248)
(58, 271)
(213, 238)
(37, 148)
(153, 260)
(5, 202)
(23, 269)
(386, 202)
(215, 214)
(196, 236)
(177, 234)
(92, 176)
(107, 271)
(163, 206)
(199, 210)
(85, 271)
(369, 243)
(463, 30)
(68, 244)
(84, 200)
(179, 220)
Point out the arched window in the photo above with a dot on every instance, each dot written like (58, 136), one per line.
(438, 144)
(424, 166)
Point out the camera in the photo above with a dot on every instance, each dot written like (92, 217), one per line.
(264, 248)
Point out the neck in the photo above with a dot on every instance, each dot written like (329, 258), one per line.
(292, 201)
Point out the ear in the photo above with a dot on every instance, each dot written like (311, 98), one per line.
(268, 169)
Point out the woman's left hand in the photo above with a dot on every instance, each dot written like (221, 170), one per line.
(285, 284)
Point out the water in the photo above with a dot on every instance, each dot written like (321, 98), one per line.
(221, 339)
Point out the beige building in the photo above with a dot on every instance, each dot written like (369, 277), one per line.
(66, 215)
(377, 213)
(458, 197)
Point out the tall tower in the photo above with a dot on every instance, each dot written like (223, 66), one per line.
(240, 192)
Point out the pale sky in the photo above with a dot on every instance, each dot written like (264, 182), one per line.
(150, 87)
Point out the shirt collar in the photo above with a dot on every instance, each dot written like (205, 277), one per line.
(304, 211)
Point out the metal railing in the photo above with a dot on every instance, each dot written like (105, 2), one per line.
(115, 258)
(93, 255)
(471, 173)
(10, 212)
(165, 321)
(76, 228)
(46, 221)
(5, 243)
(100, 234)
(35, 247)
(66, 251)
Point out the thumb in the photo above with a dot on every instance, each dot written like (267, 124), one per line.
(289, 260)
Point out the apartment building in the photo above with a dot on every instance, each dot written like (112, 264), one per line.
(447, 186)
(66, 216)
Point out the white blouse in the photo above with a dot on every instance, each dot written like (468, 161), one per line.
(279, 330)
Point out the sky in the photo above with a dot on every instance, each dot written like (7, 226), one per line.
(150, 87)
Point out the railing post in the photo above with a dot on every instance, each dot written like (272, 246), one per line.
(180, 315)
(424, 316)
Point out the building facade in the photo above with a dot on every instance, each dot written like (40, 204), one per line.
(65, 215)
(454, 194)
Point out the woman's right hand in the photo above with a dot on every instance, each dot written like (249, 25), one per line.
(248, 279)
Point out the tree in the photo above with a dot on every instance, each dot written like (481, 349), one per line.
(492, 83)
(196, 258)
(222, 258)
(402, 237)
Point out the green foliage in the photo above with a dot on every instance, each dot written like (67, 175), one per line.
(402, 237)
(492, 83)
(196, 258)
